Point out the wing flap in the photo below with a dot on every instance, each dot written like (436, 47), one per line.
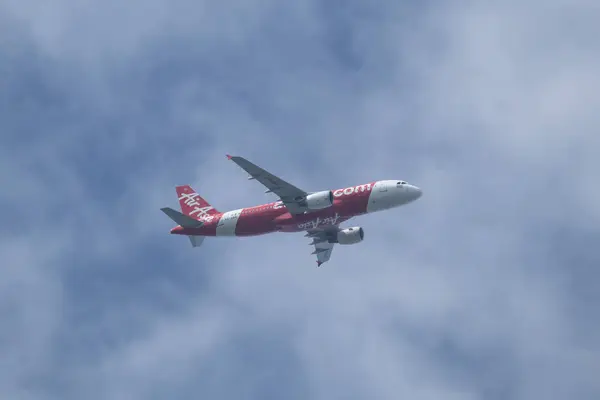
(321, 239)
(320, 250)
(323, 252)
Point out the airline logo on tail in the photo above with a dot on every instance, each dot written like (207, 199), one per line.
(193, 205)
(189, 200)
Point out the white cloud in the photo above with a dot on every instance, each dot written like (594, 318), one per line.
(489, 108)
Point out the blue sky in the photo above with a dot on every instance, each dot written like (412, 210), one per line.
(486, 288)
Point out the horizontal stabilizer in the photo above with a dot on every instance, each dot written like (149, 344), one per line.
(196, 241)
(181, 219)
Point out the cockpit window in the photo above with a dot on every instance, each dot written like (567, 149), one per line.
(401, 183)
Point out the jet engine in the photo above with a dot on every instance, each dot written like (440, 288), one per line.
(319, 200)
(352, 235)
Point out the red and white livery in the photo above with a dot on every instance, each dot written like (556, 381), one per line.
(319, 214)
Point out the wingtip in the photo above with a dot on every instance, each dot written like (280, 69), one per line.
(319, 263)
(228, 156)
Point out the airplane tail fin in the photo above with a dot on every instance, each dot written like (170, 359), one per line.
(192, 204)
(195, 212)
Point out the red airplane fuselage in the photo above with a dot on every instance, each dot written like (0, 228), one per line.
(274, 217)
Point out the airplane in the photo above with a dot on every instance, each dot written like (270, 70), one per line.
(319, 214)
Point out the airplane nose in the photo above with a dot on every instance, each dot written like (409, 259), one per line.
(416, 192)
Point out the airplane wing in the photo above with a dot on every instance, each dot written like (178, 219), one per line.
(289, 194)
(321, 240)
(323, 251)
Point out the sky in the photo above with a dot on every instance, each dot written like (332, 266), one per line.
(487, 287)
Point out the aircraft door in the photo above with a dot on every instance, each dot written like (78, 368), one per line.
(379, 199)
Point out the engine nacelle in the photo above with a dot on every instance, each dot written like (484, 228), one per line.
(319, 200)
(352, 235)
